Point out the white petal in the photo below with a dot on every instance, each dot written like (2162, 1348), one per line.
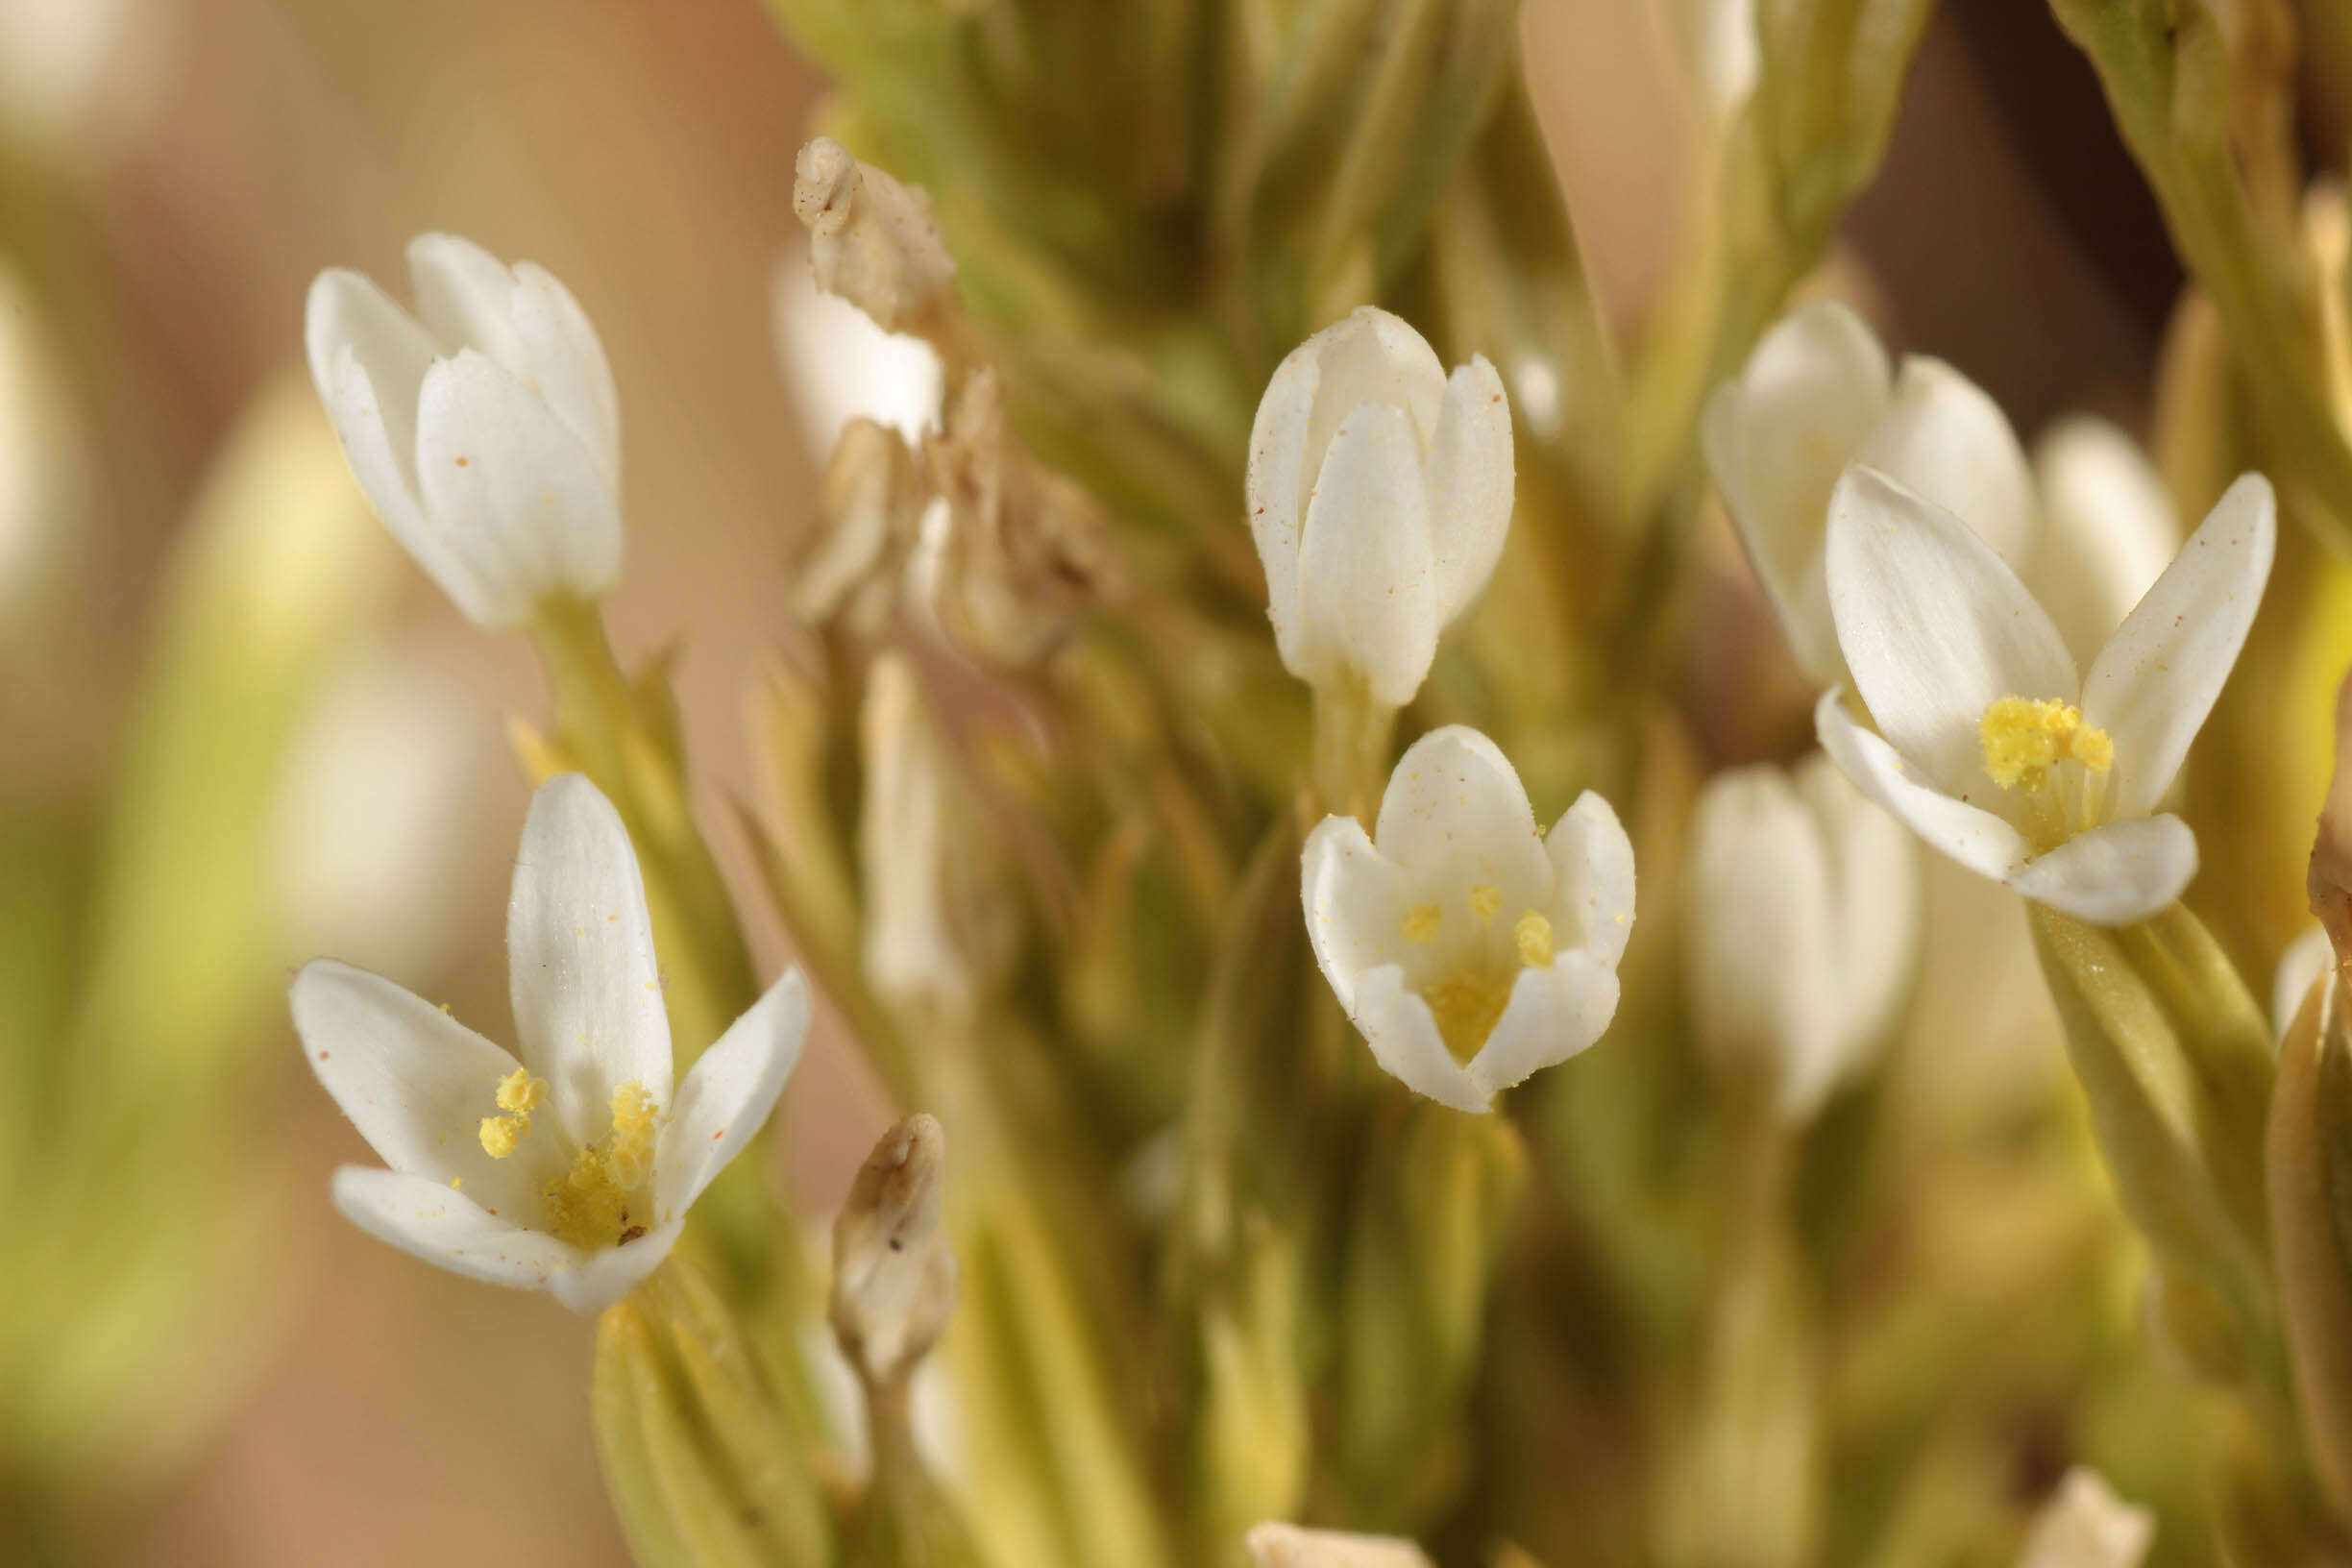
(2157, 677)
(346, 310)
(1356, 902)
(466, 296)
(1276, 1545)
(1398, 1025)
(430, 1220)
(1374, 357)
(1470, 479)
(1456, 815)
(568, 363)
(579, 951)
(1776, 438)
(1276, 487)
(512, 492)
(2114, 875)
(2306, 959)
(416, 1083)
(2108, 528)
(1874, 887)
(1945, 440)
(1367, 580)
(1556, 1011)
(1592, 870)
(1971, 835)
(1763, 967)
(1933, 626)
(387, 477)
(606, 1277)
(726, 1094)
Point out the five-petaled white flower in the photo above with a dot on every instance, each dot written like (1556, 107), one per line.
(2086, 523)
(570, 1170)
(1801, 927)
(1379, 492)
(1989, 745)
(485, 428)
(1469, 948)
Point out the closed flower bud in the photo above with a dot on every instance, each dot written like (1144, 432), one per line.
(1801, 930)
(893, 1272)
(484, 427)
(1380, 490)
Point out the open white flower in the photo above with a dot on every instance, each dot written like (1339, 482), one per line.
(1990, 746)
(571, 1169)
(2088, 526)
(1819, 393)
(485, 428)
(1801, 927)
(1469, 948)
(1379, 492)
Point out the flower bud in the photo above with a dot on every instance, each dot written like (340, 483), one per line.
(893, 1272)
(1380, 490)
(1287, 1545)
(2085, 1524)
(485, 428)
(872, 239)
(1803, 928)
(871, 507)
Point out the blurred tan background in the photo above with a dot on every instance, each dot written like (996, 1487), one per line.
(174, 172)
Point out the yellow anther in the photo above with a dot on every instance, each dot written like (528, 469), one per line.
(1485, 901)
(1533, 935)
(590, 1206)
(1421, 923)
(500, 1133)
(2025, 739)
(1466, 1008)
(521, 1092)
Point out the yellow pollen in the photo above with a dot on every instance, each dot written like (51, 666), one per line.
(1533, 935)
(2025, 739)
(1421, 923)
(519, 1095)
(1484, 900)
(589, 1207)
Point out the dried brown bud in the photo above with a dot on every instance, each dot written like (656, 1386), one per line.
(872, 240)
(893, 1272)
(871, 506)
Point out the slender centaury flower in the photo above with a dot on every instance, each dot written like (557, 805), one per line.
(570, 1170)
(1379, 492)
(1801, 926)
(1470, 948)
(1288, 1546)
(485, 428)
(2088, 526)
(1990, 746)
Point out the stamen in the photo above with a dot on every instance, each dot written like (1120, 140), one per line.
(2023, 739)
(1421, 923)
(1485, 899)
(519, 1095)
(590, 1206)
(1533, 935)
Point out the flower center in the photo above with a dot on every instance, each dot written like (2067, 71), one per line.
(1469, 998)
(2024, 742)
(589, 1204)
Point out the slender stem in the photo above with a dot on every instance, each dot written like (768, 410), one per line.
(1350, 760)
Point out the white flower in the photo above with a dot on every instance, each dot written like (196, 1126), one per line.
(2085, 1524)
(840, 366)
(1378, 492)
(1801, 927)
(2087, 526)
(1994, 751)
(485, 428)
(1288, 1546)
(1817, 394)
(570, 1170)
(1469, 948)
